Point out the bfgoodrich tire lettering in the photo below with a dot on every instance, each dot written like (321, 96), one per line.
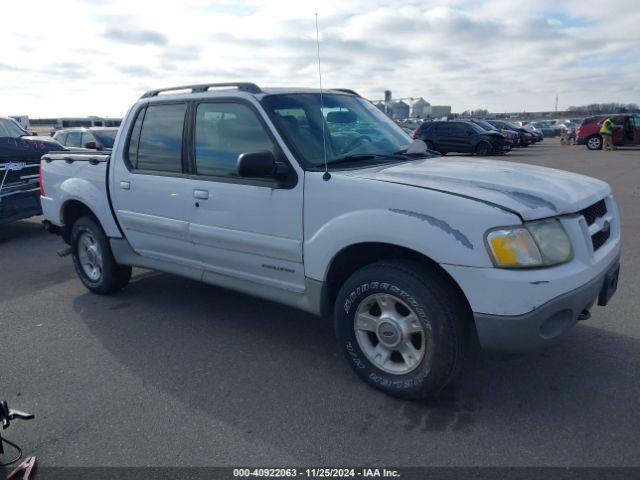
(109, 277)
(439, 309)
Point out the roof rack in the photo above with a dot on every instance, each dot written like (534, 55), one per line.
(242, 86)
(347, 90)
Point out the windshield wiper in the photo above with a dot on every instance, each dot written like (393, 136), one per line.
(366, 156)
(427, 153)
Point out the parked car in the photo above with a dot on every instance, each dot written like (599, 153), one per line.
(511, 136)
(94, 138)
(461, 137)
(525, 137)
(538, 136)
(546, 129)
(20, 154)
(626, 133)
(280, 194)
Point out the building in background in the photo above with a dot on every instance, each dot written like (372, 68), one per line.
(399, 110)
(46, 126)
(439, 111)
(420, 108)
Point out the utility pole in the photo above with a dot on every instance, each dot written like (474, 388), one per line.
(556, 102)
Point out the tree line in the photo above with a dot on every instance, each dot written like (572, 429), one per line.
(605, 108)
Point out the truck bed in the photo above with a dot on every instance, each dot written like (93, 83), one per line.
(83, 173)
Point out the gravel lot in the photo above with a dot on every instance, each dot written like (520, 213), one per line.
(172, 372)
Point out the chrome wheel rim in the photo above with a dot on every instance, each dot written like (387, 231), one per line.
(90, 256)
(594, 143)
(390, 334)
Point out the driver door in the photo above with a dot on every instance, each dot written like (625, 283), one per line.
(250, 229)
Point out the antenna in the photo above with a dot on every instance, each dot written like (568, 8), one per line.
(326, 175)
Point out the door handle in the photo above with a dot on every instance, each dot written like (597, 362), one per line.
(125, 185)
(201, 194)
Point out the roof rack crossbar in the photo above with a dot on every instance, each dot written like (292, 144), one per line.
(242, 86)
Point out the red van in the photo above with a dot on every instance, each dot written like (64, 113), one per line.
(627, 131)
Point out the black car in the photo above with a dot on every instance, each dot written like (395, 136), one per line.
(461, 137)
(20, 154)
(93, 138)
(526, 137)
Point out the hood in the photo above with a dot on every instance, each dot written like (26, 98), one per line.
(26, 148)
(530, 191)
(493, 133)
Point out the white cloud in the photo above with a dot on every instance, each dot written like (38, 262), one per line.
(79, 57)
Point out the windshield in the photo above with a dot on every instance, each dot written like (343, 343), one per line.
(106, 137)
(486, 125)
(476, 128)
(353, 127)
(8, 128)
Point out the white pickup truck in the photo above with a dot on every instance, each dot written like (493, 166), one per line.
(319, 201)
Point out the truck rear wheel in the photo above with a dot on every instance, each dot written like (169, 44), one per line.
(93, 259)
(403, 328)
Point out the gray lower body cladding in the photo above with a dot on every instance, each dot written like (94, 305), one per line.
(542, 326)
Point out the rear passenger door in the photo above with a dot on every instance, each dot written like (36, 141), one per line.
(250, 229)
(151, 192)
(444, 134)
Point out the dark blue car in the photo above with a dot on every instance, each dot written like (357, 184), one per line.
(20, 155)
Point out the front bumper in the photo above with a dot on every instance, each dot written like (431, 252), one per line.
(543, 325)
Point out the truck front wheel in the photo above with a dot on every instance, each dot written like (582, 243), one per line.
(93, 259)
(403, 328)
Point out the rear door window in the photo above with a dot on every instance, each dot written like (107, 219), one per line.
(444, 129)
(86, 138)
(74, 139)
(159, 147)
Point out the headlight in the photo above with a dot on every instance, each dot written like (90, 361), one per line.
(534, 244)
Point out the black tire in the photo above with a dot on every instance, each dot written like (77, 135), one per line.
(483, 149)
(113, 277)
(440, 310)
(594, 142)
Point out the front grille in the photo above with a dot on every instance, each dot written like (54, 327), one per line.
(590, 214)
(597, 210)
(598, 239)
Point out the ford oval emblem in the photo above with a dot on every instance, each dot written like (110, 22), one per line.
(606, 226)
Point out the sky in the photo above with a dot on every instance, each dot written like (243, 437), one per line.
(96, 57)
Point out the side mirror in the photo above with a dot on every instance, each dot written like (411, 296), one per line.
(257, 165)
(91, 145)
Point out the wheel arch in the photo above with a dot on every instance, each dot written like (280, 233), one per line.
(353, 257)
(485, 142)
(71, 210)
